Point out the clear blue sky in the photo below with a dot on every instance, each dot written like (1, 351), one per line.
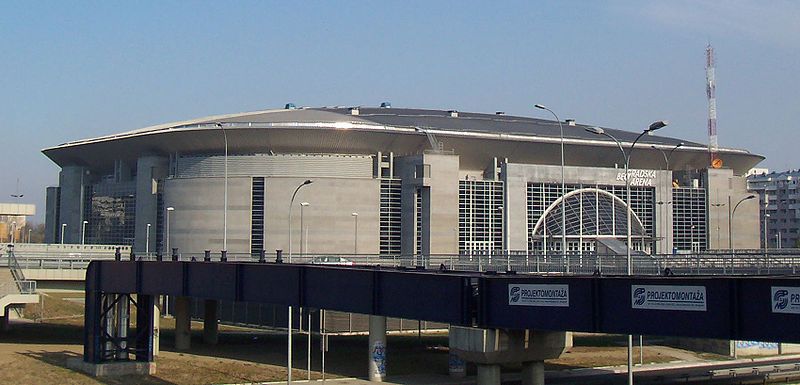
(76, 69)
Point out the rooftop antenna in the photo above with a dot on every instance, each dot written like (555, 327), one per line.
(17, 194)
(713, 145)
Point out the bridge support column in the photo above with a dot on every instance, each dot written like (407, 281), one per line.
(210, 323)
(377, 348)
(533, 373)
(488, 374)
(490, 348)
(456, 366)
(156, 330)
(4, 325)
(123, 323)
(183, 324)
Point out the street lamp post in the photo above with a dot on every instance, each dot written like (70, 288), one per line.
(667, 156)
(691, 247)
(627, 157)
(563, 188)
(719, 244)
(355, 234)
(83, 232)
(667, 231)
(731, 213)
(303, 250)
(766, 239)
(503, 246)
(289, 323)
(291, 202)
(63, 229)
(13, 231)
(147, 241)
(166, 229)
(225, 195)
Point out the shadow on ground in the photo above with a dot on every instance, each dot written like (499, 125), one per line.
(60, 359)
(346, 355)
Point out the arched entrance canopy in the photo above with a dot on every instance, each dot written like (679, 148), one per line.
(590, 212)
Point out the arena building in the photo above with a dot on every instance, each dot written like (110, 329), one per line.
(393, 181)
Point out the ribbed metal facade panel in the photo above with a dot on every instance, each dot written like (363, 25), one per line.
(390, 221)
(335, 166)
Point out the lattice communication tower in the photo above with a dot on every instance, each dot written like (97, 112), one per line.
(713, 146)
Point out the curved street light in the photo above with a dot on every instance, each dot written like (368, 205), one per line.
(563, 186)
(355, 234)
(627, 157)
(147, 241)
(303, 238)
(83, 232)
(166, 230)
(225, 199)
(289, 323)
(730, 218)
(668, 154)
(291, 202)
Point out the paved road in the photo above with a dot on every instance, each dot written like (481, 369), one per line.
(770, 369)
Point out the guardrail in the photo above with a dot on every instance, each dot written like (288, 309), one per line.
(722, 263)
(19, 287)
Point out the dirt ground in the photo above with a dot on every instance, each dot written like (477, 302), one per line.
(35, 352)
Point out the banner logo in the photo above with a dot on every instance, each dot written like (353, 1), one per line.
(538, 295)
(638, 296)
(786, 299)
(668, 297)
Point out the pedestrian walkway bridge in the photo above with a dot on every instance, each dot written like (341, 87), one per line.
(763, 308)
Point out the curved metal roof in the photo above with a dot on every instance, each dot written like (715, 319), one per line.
(475, 137)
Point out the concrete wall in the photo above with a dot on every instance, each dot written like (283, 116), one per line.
(72, 181)
(404, 169)
(439, 190)
(440, 209)
(196, 224)
(725, 189)
(51, 217)
(331, 227)
(149, 171)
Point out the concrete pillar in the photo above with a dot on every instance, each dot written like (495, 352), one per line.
(4, 321)
(149, 170)
(210, 322)
(488, 374)
(377, 348)
(533, 373)
(123, 321)
(52, 226)
(456, 366)
(183, 324)
(72, 180)
(156, 330)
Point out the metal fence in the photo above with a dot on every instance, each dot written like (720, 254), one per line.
(17, 287)
(747, 262)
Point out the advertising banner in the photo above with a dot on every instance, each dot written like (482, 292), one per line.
(668, 297)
